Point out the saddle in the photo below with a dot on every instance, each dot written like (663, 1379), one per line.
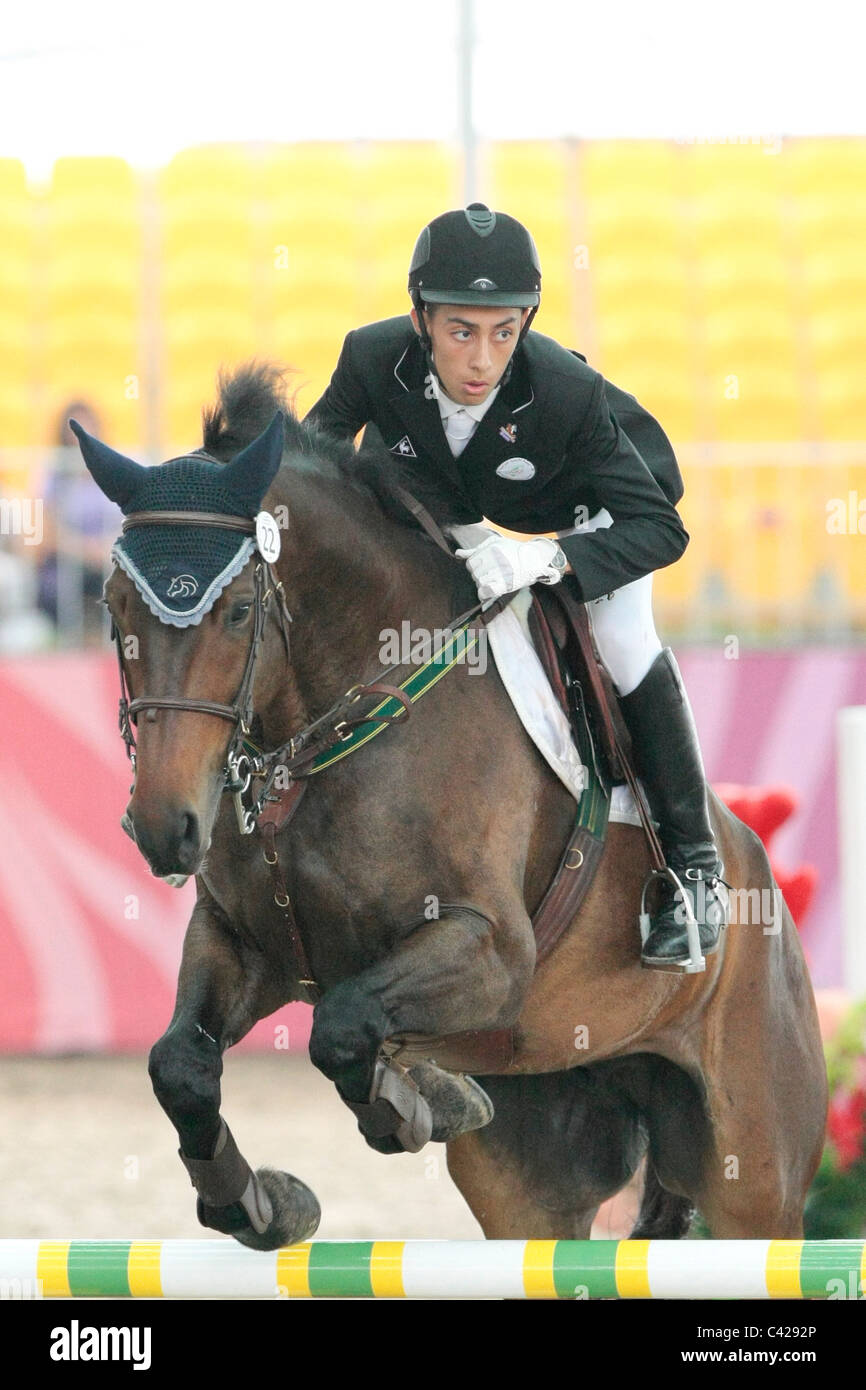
(560, 630)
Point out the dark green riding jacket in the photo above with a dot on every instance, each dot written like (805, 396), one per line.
(557, 438)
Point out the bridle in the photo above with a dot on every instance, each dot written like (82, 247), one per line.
(295, 756)
(237, 771)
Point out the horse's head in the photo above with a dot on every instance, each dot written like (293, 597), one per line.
(188, 598)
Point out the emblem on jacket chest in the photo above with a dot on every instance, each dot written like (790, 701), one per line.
(404, 447)
(517, 470)
(508, 432)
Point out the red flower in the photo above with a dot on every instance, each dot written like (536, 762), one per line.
(846, 1126)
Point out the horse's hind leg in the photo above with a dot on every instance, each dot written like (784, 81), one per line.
(558, 1146)
(219, 999)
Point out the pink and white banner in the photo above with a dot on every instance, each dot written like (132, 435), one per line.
(90, 941)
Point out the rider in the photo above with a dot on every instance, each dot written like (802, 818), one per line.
(487, 419)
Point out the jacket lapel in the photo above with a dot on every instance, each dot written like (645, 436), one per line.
(424, 426)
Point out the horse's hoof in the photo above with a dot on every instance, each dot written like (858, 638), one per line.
(296, 1213)
(458, 1103)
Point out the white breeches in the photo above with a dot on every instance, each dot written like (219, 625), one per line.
(622, 624)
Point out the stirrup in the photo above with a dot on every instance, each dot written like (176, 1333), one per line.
(696, 961)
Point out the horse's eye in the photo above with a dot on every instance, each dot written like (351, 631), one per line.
(238, 612)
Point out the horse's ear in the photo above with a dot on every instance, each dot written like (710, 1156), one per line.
(251, 472)
(117, 476)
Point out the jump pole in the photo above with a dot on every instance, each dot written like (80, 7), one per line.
(447, 1269)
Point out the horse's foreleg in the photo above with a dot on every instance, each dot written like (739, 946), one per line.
(219, 999)
(460, 972)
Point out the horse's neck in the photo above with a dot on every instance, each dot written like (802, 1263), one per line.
(355, 574)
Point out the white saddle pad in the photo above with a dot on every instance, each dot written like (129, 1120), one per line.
(524, 678)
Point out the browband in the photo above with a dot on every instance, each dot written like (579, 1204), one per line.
(229, 523)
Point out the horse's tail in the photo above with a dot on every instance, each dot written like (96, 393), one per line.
(248, 399)
(663, 1215)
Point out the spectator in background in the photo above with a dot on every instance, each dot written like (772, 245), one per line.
(79, 526)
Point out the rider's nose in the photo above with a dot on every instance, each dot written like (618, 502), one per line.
(481, 358)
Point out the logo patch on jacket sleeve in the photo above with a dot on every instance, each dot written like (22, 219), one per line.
(517, 470)
(404, 447)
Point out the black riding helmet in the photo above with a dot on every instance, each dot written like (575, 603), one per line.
(475, 256)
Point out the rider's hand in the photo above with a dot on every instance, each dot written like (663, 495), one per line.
(501, 565)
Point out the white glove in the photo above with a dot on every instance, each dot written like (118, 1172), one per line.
(501, 565)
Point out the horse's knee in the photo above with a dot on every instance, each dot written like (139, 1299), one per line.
(349, 1026)
(185, 1067)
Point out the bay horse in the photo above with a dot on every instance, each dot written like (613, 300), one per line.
(716, 1078)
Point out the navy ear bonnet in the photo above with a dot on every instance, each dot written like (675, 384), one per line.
(180, 571)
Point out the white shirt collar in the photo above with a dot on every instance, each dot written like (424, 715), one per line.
(448, 407)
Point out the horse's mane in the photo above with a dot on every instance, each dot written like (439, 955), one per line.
(248, 398)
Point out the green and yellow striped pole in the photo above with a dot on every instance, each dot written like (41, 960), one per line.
(572, 1269)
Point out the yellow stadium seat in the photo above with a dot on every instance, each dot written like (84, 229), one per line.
(743, 277)
(84, 177)
(728, 221)
(408, 182)
(311, 349)
(768, 528)
(203, 336)
(655, 283)
(308, 164)
(736, 339)
(663, 334)
(530, 180)
(632, 227)
(716, 167)
(663, 385)
(71, 290)
(330, 231)
(818, 168)
(191, 281)
(823, 223)
(623, 169)
(842, 402)
(757, 403)
(838, 339)
(19, 422)
(834, 279)
(92, 206)
(230, 169)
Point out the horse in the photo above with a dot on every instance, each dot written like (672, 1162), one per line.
(715, 1079)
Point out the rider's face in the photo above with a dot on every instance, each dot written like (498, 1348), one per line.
(472, 346)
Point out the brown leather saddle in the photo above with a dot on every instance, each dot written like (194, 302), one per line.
(560, 629)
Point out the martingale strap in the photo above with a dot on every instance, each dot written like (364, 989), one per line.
(455, 649)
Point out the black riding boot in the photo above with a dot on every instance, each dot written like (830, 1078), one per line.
(667, 758)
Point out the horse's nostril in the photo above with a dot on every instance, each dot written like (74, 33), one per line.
(189, 828)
